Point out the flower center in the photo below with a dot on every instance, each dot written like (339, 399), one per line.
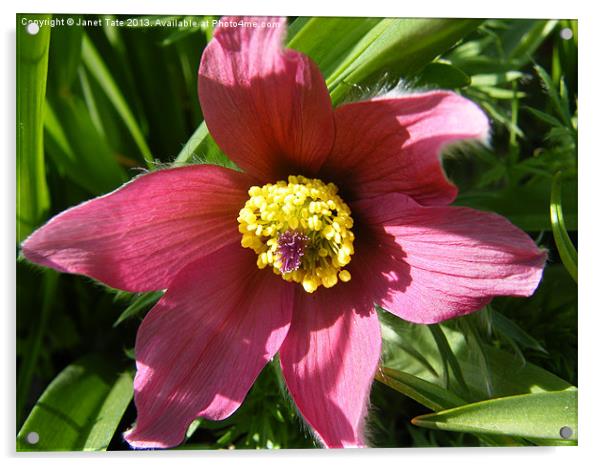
(302, 229)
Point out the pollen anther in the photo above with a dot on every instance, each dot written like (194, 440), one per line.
(302, 229)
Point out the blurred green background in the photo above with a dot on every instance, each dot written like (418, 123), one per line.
(96, 105)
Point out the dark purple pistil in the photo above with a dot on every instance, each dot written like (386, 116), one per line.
(291, 246)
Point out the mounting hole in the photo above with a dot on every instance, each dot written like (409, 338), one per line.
(32, 438)
(566, 432)
(566, 34)
(32, 28)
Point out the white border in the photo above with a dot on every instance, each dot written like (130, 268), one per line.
(457, 8)
(590, 108)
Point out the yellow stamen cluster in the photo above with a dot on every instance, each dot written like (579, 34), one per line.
(310, 208)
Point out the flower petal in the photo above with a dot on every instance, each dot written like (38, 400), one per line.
(267, 108)
(329, 359)
(394, 144)
(137, 237)
(201, 347)
(428, 264)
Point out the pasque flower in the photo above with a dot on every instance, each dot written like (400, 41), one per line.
(334, 210)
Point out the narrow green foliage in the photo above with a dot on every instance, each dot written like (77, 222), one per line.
(201, 148)
(77, 148)
(447, 356)
(33, 199)
(101, 73)
(80, 409)
(522, 40)
(533, 416)
(140, 303)
(428, 394)
(509, 375)
(476, 346)
(568, 253)
(397, 47)
(35, 342)
(65, 55)
(511, 330)
(443, 75)
(329, 41)
(526, 206)
(559, 101)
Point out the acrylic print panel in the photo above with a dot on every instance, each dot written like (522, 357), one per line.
(303, 232)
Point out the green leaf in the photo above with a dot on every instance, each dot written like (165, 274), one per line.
(78, 150)
(549, 119)
(443, 75)
(329, 41)
(510, 330)
(447, 356)
(433, 397)
(397, 47)
(35, 341)
(495, 79)
(476, 346)
(526, 206)
(426, 393)
(192, 428)
(568, 253)
(80, 410)
(499, 115)
(559, 103)
(510, 375)
(101, 73)
(160, 96)
(33, 199)
(503, 94)
(524, 37)
(201, 148)
(533, 416)
(65, 55)
(140, 303)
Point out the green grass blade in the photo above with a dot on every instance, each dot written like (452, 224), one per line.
(101, 73)
(329, 42)
(201, 148)
(139, 303)
(34, 345)
(65, 55)
(559, 104)
(495, 79)
(448, 357)
(33, 199)
(442, 75)
(511, 330)
(521, 42)
(78, 149)
(534, 416)
(427, 394)
(398, 47)
(526, 206)
(80, 410)
(566, 249)
(476, 347)
(546, 118)
(510, 375)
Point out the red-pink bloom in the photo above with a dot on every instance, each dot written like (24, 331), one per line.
(221, 319)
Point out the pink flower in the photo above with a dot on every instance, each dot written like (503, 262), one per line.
(314, 261)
